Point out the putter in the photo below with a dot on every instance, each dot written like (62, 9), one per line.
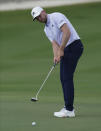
(34, 99)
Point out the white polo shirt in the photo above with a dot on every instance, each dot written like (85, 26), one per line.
(53, 31)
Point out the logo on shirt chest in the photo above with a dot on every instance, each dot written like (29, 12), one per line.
(52, 25)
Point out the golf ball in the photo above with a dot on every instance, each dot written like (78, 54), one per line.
(33, 123)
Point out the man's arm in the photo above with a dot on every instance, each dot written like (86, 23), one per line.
(56, 49)
(66, 35)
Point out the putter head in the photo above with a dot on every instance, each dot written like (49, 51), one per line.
(34, 99)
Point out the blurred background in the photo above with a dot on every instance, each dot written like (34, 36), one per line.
(26, 4)
(26, 57)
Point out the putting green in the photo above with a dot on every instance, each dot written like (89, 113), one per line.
(25, 59)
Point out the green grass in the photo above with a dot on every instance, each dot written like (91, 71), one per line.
(25, 59)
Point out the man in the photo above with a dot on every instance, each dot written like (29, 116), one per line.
(67, 49)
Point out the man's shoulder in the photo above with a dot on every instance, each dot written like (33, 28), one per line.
(56, 14)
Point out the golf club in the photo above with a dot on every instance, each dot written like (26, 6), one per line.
(36, 98)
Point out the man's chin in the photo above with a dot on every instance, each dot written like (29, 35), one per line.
(42, 21)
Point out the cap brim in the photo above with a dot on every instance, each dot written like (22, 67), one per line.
(34, 19)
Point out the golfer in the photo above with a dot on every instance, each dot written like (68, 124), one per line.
(67, 49)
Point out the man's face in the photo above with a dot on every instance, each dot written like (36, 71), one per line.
(42, 17)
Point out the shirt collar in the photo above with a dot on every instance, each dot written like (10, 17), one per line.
(48, 20)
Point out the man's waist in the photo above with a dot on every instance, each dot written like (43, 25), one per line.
(73, 42)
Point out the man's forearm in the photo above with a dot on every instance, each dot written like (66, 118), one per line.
(65, 39)
(55, 48)
(65, 36)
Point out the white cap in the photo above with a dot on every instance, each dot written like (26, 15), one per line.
(36, 12)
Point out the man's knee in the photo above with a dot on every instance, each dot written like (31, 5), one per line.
(68, 77)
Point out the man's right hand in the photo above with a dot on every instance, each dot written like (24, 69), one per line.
(55, 60)
(60, 54)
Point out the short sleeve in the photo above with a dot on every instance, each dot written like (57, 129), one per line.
(59, 19)
(49, 38)
(49, 35)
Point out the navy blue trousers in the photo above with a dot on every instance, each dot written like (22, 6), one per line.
(68, 65)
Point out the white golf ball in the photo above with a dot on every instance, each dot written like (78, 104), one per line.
(33, 123)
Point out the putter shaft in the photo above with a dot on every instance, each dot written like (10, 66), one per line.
(45, 80)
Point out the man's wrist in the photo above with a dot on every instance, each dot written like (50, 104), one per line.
(62, 47)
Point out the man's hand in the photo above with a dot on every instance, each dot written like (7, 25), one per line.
(59, 56)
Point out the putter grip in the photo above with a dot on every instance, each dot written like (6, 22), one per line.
(54, 64)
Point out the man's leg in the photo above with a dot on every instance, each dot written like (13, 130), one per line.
(67, 68)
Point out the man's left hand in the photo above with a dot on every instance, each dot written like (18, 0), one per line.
(60, 55)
